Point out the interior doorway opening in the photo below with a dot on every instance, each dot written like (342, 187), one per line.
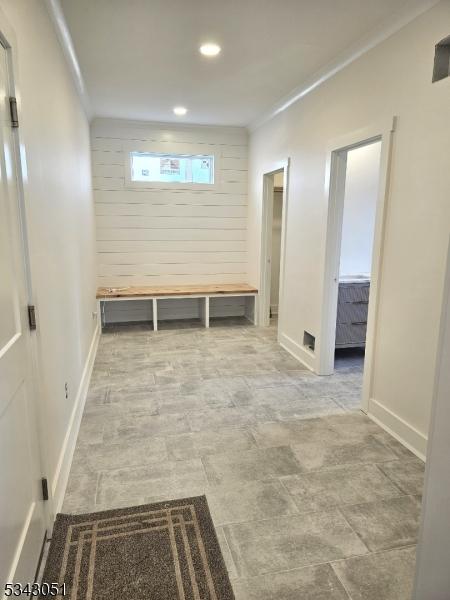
(275, 258)
(272, 255)
(357, 186)
(362, 177)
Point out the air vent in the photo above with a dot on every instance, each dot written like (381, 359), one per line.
(441, 68)
(309, 341)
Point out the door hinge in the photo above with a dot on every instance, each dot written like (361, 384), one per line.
(44, 483)
(13, 112)
(32, 317)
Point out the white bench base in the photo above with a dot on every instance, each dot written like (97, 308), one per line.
(205, 305)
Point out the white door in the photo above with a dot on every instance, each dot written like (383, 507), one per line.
(22, 524)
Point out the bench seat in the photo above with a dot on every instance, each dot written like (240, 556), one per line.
(156, 291)
(160, 292)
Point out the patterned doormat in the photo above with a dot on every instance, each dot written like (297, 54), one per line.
(164, 551)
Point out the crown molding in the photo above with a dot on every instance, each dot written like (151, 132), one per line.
(396, 22)
(65, 39)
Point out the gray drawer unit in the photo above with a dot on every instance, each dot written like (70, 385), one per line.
(351, 335)
(353, 303)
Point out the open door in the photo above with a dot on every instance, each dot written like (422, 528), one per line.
(22, 523)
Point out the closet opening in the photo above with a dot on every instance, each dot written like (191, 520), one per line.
(274, 218)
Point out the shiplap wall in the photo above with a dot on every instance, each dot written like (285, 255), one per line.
(169, 236)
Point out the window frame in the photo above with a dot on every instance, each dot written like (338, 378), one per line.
(171, 149)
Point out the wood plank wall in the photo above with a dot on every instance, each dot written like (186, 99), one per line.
(176, 236)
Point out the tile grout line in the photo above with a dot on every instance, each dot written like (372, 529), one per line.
(378, 465)
(340, 581)
(354, 531)
(229, 549)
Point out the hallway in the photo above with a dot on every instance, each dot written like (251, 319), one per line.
(308, 496)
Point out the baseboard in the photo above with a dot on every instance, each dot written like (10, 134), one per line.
(58, 487)
(303, 355)
(402, 431)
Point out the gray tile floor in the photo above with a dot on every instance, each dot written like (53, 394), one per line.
(309, 497)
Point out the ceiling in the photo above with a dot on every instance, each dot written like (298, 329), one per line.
(139, 58)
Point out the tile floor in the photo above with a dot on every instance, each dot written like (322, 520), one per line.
(309, 497)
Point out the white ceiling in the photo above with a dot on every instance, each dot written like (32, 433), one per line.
(139, 58)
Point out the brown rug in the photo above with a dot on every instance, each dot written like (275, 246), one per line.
(164, 551)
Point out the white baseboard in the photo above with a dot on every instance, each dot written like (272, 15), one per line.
(402, 431)
(301, 353)
(59, 483)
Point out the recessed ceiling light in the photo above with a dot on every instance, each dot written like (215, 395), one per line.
(180, 111)
(210, 49)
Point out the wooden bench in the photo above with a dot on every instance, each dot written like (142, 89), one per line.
(155, 293)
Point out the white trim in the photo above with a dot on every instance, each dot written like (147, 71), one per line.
(175, 126)
(155, 314)
(61, 476)
(266, 240)
(65, 39)
(334, 190)
(402, 431)
(345, 58)
(284, 220)
(302, 354)
(205, 312)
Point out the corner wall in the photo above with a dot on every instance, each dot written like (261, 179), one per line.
(392, 79)
(54, 138)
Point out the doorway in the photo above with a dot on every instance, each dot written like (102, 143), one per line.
(272, 245)
(22, 515)
(358, 189)
(362, 176)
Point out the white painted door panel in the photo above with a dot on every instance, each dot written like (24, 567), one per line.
(22, 524)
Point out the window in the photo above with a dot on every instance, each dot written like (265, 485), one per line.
(171, 168)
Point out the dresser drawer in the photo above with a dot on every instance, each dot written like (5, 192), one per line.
(351, 312)
(351, 334)
(354, 292)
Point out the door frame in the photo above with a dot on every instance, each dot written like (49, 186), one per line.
(432, 577)
(266, 241)
(8, 40)
(335, 190)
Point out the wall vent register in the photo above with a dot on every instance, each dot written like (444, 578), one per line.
(441, 68)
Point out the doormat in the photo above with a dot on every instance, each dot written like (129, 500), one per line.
(163, 551)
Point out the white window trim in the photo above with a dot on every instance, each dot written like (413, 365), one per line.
(169, 149)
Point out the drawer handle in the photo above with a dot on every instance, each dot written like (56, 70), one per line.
(359, 322)
(360, 302)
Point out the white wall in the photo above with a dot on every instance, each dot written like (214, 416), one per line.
(54, 135)
(392, 79)
(168, 236)
(360, 199)
(276, 251)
